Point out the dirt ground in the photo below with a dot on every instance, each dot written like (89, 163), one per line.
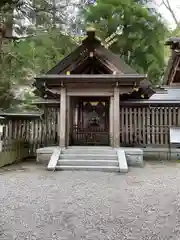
(40, 205)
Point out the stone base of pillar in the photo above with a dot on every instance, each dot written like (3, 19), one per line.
(62, 143)
(116, 141)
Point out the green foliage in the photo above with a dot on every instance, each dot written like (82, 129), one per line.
(22, 60)
(172, 33)
(140, 39)
(40, 53)
(6, 95)
(43, 47)
(141, 33)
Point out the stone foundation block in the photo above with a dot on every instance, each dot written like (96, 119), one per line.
(134, 157)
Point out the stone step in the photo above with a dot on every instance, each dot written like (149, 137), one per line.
(90, 162)
(93, 147)
(89, 168)
(89, 151)
(88, 156)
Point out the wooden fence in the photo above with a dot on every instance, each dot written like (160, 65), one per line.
(139, 126)
(142, 126)
(36, 131)
(13, 151)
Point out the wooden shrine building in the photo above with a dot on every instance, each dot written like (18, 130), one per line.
(88, 86)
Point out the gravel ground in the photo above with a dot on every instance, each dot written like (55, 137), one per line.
(40, 205)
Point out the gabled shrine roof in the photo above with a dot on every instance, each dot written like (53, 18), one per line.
(82, 53)
(92, 63)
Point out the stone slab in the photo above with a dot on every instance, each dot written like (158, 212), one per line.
(43, 155)
(156, 153)
(54, 159)
(122, 161)
(88, 168)
(46, 150)
(134, 156)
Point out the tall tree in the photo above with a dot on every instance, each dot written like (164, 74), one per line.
(9, 2)
(45, 44)
(22, 60)
(168, 6)
(140, 34)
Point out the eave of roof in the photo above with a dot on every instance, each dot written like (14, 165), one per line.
(46, 101)
(79, 78)
(21, 115)
(130, 103)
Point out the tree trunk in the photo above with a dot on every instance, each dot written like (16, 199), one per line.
(54, 13)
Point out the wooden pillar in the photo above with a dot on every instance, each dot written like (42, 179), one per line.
(82, 114)
(116, 118)
(111, 121)
(79, 118)
(68, 120)
(62, 130)
(75, 120)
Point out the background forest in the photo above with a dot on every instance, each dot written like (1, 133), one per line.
(35, 34)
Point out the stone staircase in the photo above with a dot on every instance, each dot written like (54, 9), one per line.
(88, 158)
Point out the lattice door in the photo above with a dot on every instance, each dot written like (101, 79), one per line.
(95, 127)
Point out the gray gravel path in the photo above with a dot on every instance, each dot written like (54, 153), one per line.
(39, 205)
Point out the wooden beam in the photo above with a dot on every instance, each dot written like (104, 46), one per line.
(77, 64)
(87, 70)
(90, 93)
(177, 62)
(109, 65)
(67, 61)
